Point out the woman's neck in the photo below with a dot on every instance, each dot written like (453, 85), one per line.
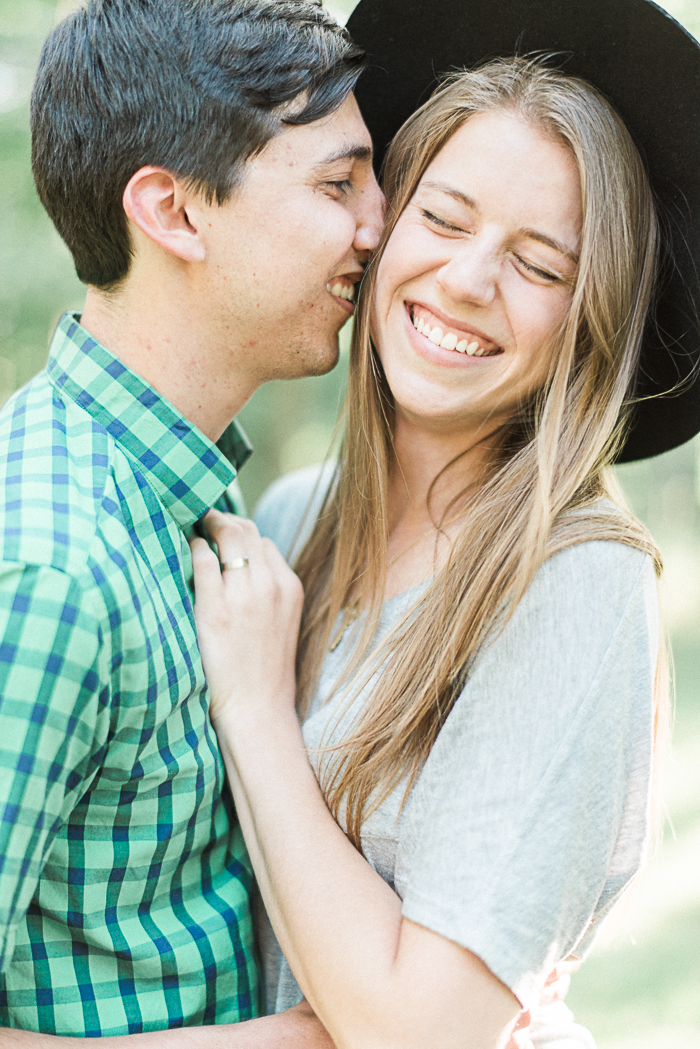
(416, 549)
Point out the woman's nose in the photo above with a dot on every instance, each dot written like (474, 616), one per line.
(471, 273)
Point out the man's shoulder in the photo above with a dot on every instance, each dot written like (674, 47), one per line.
(54, 466)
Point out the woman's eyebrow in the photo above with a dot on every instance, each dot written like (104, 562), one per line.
(550, 242)
(456, 194)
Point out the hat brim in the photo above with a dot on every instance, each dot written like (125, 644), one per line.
(648, 66)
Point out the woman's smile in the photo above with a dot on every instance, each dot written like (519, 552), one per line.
(439, 334)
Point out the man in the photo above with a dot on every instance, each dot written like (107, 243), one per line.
(206, 163)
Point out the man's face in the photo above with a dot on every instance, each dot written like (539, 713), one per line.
(289, 246)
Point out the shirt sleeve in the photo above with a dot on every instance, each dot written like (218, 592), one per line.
(288, 509)
(50, 698)
(530, 816)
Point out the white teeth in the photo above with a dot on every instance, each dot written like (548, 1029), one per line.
(342, 291)
(448, 341)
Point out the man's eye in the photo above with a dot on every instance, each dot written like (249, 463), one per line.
(435, 221)
(343, 186)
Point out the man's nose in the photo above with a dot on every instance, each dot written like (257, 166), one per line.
(370, 217)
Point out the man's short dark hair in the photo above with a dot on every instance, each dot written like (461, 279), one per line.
(194, 86)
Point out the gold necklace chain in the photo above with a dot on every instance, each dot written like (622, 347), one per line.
(352, 610)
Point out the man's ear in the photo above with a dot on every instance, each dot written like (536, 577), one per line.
(156, 202)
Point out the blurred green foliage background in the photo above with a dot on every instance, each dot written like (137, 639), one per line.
(641, 987)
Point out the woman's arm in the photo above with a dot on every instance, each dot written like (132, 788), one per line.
(373, 978)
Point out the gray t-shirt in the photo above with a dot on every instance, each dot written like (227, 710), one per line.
(529, 816)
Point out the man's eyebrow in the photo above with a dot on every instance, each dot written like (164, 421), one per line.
(543, 238)
(362, 153)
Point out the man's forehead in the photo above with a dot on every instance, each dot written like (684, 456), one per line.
(336, 137)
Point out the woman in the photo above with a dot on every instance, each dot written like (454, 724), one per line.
(478, 651)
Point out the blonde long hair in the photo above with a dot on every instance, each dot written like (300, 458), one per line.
(552, 457)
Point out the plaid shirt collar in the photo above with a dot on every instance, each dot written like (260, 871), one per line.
(187, 471)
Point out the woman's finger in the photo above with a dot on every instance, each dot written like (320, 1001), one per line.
(219, 525)
(555, 991)
(238, 543)
(281, 570)
(207, 573)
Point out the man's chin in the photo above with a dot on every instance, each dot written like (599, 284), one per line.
(308, 361)
(326, 364)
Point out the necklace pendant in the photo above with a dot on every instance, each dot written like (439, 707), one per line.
(350, 614)
(337, 639)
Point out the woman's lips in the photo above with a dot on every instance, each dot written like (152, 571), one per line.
(437, 354)
(450, 336)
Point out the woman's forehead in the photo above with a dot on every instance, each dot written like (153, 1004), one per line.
(498, 161)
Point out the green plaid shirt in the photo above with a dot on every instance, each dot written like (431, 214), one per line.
(124, 882)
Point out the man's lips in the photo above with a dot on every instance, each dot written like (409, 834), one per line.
(450, 334)
(342, 288)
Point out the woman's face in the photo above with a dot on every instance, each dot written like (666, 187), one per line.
(476, 278)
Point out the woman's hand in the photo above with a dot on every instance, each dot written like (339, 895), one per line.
(247, 617)
(520, 1037)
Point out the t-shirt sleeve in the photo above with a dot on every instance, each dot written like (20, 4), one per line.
(288, 509)
(530, 816)
(50, 698)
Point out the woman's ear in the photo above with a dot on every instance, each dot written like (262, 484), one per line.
(156, 202)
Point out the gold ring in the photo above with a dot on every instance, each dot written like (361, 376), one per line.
(238, 562)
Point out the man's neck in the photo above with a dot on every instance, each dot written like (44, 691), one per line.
(171, 346)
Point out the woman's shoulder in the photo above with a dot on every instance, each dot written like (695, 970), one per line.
(597, 564)
(288, 509)
(583, 597)
(596, 577)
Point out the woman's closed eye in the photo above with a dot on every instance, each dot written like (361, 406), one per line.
(537, 272)
(547, 276)
(441, 224)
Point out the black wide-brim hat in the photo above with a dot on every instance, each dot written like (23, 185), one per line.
(648, 67)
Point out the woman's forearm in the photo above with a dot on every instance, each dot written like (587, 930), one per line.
(369, 976)
(337, 922)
